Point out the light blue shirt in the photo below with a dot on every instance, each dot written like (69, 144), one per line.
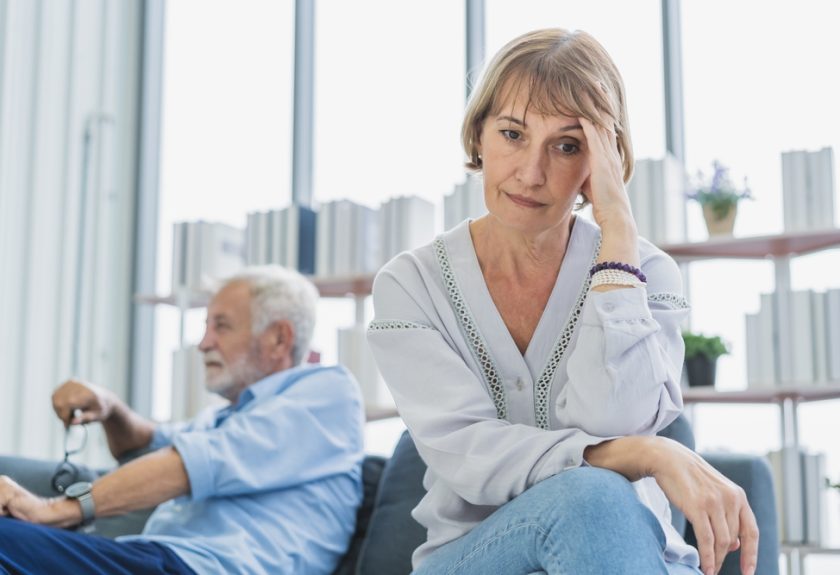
(275, 480)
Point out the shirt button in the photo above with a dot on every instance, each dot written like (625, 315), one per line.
(520, 385)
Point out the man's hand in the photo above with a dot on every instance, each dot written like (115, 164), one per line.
(17, 502)
(124, 429)
(89, 402)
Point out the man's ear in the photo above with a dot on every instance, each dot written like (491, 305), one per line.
(281, 338)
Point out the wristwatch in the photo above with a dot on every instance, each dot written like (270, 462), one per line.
(81, 492)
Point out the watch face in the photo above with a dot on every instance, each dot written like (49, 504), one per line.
(78, 489)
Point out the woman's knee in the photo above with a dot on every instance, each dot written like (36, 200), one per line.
(591, 498)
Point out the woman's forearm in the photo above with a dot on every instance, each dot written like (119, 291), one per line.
(632, 456)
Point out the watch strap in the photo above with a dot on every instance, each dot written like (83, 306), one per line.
(88, 508)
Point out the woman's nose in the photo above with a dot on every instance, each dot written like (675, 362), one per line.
(531, 169)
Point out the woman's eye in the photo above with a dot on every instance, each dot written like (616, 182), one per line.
(511, 135)
(568, 148)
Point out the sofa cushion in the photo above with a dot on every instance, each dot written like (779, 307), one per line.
(372, 468)
(393, 534)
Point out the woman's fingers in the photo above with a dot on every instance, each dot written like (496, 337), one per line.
(705, 542)
(716, 507)
(722, 534)
(748, 535)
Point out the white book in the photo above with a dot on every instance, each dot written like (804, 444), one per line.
(179, 259)
(251, 241)
(671, 215)
(786, 465)
(640, 189)
(276, 238)
(814, 498)
(194, 251)
(755, 376)
(820, 337)
(821, 183)
(222, 252)
(354, 353)
(324, 266)
(801, 339)
(262, 238)
(367, 234)
(344, 244)
(832, 321)
(794, 191)
(420, 224)
(768, 345)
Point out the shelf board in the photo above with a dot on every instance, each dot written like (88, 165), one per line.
(768, 395)
(360, 285)
(756, 247)
(804, 549)
(193, 300)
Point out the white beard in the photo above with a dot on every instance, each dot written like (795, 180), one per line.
(231, 379)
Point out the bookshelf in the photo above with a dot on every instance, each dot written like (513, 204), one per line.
(780, 249)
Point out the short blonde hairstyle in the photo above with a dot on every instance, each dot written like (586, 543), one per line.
(565, 73)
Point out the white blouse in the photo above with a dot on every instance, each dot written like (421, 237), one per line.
(491, 422)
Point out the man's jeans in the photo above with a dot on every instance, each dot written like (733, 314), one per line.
(582, 521)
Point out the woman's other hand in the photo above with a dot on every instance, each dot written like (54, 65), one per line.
(716, 507)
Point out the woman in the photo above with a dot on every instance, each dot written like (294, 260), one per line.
(533, 355)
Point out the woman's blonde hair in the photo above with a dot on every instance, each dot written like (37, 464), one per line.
(565, 73)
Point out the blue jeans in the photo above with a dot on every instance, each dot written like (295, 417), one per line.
(31, 549)
(582, 521)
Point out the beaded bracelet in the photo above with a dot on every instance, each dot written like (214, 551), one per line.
(614, 277)
(618, 266)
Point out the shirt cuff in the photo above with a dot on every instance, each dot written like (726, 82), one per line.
(194, 450)
(162, 437)
(625, 304)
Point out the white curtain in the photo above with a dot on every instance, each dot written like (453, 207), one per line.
(69, 79)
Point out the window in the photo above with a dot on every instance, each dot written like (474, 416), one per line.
(227, 129)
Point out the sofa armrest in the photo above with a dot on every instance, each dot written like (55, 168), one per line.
(752, 474)
(36, 476)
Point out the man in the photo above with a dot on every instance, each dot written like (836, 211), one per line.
(268, 484)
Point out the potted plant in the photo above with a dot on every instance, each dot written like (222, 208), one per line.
(701, 353)
(719, 199)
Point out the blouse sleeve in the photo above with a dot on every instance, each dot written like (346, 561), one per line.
(624, 370)
(447, 409)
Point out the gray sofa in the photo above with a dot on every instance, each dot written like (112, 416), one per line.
(386, 534)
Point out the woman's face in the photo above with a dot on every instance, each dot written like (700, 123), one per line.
(534, 166)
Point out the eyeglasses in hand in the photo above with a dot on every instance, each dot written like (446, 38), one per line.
(75, 440)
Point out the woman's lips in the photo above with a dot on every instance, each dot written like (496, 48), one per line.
(523, 201)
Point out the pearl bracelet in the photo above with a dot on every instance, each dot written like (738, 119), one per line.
(615, 277)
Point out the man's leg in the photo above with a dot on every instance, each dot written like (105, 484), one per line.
(582, 521)
(35, 549)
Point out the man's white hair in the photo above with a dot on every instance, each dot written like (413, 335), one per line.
(279, 293)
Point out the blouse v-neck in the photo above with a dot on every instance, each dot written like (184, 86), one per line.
(559, 307)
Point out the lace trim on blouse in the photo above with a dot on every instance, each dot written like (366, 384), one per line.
(542, 388)
(385, 325)
(479, 349)
(671, 300)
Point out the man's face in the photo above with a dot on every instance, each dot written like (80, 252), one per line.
(231, 351)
